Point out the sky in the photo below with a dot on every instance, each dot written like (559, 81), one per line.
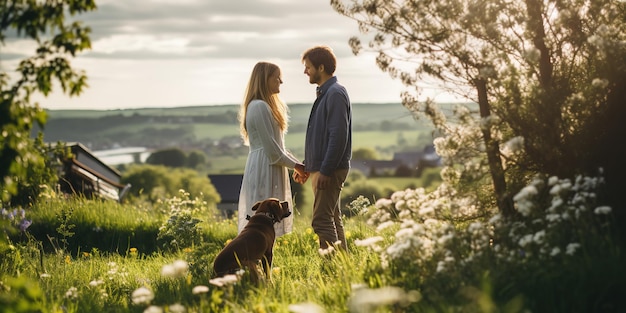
(174, 53)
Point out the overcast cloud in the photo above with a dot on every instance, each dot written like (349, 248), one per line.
(167, 53)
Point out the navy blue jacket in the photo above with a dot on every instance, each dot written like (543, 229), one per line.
(328, 144)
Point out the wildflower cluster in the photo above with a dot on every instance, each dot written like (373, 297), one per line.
(554, 211)
(431, 241)
(17, 218)
(181, 230)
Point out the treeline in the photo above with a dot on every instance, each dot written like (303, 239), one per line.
(67, 125)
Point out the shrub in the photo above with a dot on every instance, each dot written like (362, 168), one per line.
(159, 182)
(559, 255)
(363, 188)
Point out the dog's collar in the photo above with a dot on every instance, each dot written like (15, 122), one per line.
(266, 214)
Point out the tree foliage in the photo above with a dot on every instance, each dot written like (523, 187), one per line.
(57, 40)
(158, 182)
(549, 77)
(172, 157)
(365, 154)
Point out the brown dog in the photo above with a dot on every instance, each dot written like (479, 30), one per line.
(255, 242)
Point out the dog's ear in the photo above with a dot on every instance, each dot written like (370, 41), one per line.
(285, 206)
(256, 205)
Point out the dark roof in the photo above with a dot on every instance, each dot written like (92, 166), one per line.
(83, 155)
(228, 186)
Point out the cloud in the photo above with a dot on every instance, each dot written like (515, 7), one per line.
(157, 53)
(214, 29)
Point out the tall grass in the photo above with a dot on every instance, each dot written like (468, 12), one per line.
(99, 280)
(405, 255)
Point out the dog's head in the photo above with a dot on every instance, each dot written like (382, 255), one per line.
(273, 208)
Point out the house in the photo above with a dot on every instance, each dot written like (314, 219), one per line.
(86, 174)
(375, 167)
(416, 160)
(228, 186)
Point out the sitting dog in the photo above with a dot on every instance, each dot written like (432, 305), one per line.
(255, 242)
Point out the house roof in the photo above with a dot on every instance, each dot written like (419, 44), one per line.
(228, 186)
(87, 159)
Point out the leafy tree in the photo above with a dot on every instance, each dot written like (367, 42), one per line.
(158, 182)
(549, 77)
(196, 158)
(364, 154)
(45, 23)
(172, 157)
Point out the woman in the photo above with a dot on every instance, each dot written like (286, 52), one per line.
(263, 123)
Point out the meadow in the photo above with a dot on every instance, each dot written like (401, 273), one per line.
(424, 248)
(78, 255)
(65, 274)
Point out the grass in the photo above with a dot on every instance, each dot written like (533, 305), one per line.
(103, 281)
(399, 260)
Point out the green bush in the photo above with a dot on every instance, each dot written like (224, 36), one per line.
(172, 157)
(363, 188)
(156, 182)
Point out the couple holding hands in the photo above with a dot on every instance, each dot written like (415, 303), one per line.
(263, 121)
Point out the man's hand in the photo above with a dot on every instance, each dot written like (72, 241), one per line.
(299, 174)
(323, 181)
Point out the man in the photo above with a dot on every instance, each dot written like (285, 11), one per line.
(328, 146)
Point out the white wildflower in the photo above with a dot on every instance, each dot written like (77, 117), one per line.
(177, 269)
(327, 251)
(384, 225)
(181, 266)
(404, 233)
(522, 199)
(445, 238)
(368, 241)
(553, 217)
(553, 180)
(95, 283)
(225, 280)
(539, 236)
(441, 266)
(600, 83)
(307, 307)
(153, 309)
(230, 279)
(199, 289)
(514, 145)
(217, 282)
(555, 251)
(571, 248)
(555, 204)
(602, 210)
(168, 270)
(367, 300)
(383, 203)
(71, 293)
(177, 308)
(524, 241)
(142, 295)
(426, 210)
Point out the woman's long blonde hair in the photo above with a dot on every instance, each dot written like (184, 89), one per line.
(258, 89)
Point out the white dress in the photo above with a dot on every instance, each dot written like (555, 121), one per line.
(266, 174)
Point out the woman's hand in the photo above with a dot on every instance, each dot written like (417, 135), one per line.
(299, 174)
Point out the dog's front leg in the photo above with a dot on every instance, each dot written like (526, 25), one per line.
(267, 263)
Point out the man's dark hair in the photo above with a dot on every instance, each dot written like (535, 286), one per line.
(322, 55)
